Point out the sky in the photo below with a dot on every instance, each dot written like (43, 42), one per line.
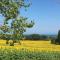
(45, 14)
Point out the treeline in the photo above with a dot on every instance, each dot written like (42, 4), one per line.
(29, 37)
(26, 37)
(36, 37)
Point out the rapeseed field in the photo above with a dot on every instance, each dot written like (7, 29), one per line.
(32, 45)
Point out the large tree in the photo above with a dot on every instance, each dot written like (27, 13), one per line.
(10, 10)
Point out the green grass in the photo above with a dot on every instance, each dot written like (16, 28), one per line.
(24, 54)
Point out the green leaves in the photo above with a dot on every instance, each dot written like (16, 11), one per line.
(30, 24)
(4, 28)
(9, 9)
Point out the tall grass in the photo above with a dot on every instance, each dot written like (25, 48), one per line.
(24, 54)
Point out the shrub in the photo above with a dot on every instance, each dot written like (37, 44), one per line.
(11, 42)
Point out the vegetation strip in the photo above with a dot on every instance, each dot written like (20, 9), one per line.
(24, 54)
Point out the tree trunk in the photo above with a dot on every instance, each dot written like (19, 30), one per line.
(19, 42)
(7, 41)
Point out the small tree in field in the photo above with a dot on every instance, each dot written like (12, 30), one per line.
(10, 10)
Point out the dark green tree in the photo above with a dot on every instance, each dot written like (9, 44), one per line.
(57, 41)
(10, 10)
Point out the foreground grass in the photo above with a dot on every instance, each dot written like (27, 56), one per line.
(24, 54)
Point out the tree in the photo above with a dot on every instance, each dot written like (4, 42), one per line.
(10, 10)
(57, 41)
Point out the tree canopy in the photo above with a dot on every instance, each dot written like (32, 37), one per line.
(10, 10)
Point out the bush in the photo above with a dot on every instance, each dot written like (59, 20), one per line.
(53, 41)
(11, 42)
(7, 41)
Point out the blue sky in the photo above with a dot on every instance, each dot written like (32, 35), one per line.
(46, 15)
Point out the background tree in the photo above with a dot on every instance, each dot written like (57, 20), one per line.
(10, 10)
(57, 41)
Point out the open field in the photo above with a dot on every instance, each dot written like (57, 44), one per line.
(32, 45)
(29, 50)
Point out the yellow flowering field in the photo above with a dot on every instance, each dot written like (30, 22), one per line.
(32, 45)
